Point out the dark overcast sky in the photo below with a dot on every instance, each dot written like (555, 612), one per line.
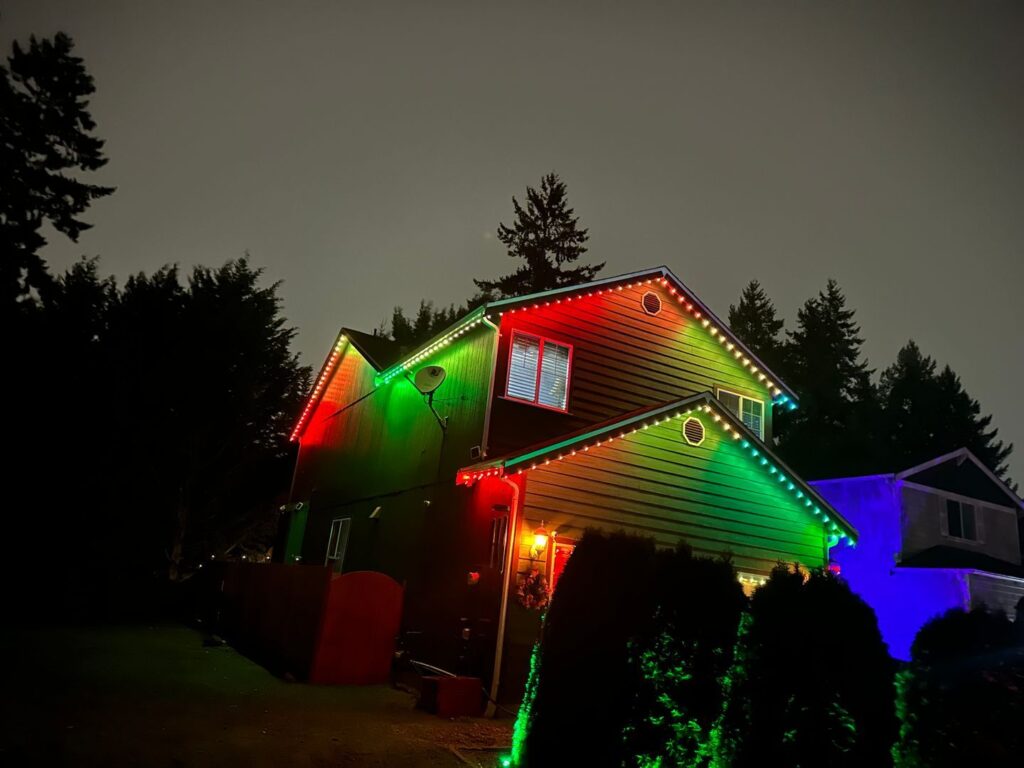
(365, 152)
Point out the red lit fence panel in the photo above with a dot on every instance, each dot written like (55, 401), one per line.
(357, 637)
(313, 624)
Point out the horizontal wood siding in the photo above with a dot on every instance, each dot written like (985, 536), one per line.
(652, 483)
(999, 594)
(384, 439)
(623, 359)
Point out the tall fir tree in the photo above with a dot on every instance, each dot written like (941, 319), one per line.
(547, 237)
(755, 322)
(927, 412)
(46, 143)
(831, 433)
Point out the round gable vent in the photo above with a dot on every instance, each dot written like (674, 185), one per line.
(651, 303)
(693, 431)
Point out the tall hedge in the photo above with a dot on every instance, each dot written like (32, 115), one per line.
(580, 697)
(812, 684)
(633, 649)
(680, 657)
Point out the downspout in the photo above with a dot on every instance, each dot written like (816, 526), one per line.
(511, 549)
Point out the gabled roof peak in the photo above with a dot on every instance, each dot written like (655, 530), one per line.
(486, 314)
(597, 435)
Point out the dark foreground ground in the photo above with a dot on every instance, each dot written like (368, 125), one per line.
(155, 696)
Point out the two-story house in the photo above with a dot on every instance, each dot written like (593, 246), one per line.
(459, 466)
(940, 535)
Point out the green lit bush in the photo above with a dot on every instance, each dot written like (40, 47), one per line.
(633, 650)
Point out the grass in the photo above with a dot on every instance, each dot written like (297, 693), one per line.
(155, 696)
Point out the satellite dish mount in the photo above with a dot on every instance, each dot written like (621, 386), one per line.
(427, 380)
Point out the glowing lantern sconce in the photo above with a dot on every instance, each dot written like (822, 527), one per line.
(540, 540)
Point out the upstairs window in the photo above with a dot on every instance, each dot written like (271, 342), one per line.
(747, 409)
(960, 520)
(538, 371)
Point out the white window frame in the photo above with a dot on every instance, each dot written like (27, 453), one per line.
(343, 525)
(739, 416)
(960, 508)
(542, 340)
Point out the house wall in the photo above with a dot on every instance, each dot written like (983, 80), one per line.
(925, 525)
(903, 599)
(1000, 593)
(714, 496)
(369, 446)
(623, 359)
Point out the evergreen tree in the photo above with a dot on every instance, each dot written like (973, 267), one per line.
(45, 138)
(547, 237)
(755, 322)
(926, 413)
(831, 433)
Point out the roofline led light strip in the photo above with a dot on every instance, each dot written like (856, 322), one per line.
(778, 396)
(325, 374)
(610, 434)
(471, 321)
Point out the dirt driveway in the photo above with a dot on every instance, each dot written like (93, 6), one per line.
(155, 696)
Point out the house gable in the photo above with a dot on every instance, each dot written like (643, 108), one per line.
(713, 356)
(364, 437)
(960, 472)
(624, 358)
(725, 492)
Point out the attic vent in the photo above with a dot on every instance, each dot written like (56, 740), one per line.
(693, 431)
(651, 303)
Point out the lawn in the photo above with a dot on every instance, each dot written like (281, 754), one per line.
(155, 696)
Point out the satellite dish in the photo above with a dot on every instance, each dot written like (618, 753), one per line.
(429, 378)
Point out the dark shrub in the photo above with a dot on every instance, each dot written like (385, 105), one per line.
(582, 688)
(680, 657)
(632, 652)
(961, 700)
(812, 684)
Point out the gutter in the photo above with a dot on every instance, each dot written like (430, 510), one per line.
(511, 549)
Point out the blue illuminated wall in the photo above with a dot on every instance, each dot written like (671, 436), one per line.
(903, 598)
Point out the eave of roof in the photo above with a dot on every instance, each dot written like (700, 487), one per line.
(581, 442)
(378, 351)
(489, 312)
(942, 556)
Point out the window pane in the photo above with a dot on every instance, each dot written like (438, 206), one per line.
(967, 519)
(753, 413)
(522, 368)
(554, 375)
(730, 401)
(953, 518)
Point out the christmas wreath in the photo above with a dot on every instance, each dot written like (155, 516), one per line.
(533, 592)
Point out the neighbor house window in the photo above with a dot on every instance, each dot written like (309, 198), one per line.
(538, 371)
(338, 541)
(960, 520)
(747, 409)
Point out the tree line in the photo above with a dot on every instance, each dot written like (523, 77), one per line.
(849, 422)
(149, 419)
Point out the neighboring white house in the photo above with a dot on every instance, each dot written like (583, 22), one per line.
(944, 534)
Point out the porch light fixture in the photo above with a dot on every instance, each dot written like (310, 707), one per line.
(540, 540)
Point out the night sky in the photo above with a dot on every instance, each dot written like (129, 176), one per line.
(364, 153)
